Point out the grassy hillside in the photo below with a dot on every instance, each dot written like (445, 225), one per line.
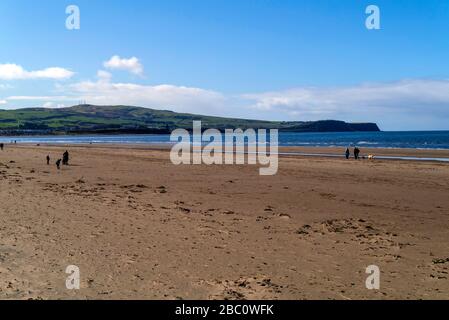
(121, 119)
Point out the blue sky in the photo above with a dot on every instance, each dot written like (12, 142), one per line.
(266, 59)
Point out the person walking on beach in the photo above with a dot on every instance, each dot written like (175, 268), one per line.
(2, 146)
(347, 153)
(48, 160)
(65, 158)
(58, 164)
(356, 153)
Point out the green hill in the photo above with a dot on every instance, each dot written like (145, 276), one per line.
(126, 119)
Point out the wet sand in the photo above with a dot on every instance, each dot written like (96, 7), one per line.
(139, 227)
(376, 152)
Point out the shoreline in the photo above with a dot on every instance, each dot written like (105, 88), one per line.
(397, 154)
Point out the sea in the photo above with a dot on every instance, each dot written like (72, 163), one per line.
(395, 140)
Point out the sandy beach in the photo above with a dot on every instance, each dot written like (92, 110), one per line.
(139, 227)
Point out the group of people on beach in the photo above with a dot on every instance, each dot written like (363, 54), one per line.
(64, 160)
(356, 153)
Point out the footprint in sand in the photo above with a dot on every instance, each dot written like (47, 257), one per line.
(440, 269)
(357, 231)
(245, 288)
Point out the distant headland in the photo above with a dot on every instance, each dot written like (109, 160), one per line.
(91, 119)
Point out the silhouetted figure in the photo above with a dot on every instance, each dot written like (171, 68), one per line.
(2, 146)
(48, 160)
(65, 158)
(58, 164)
(356, 153)
(347, 153)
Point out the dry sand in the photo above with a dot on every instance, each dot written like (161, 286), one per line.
(139, 227)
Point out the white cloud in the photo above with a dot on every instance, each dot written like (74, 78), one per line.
(39, 98)
(16, 72)
(104, 75)
(177, 98)
(357, 102)
(132, 65)
(3, 102)
(52, 105)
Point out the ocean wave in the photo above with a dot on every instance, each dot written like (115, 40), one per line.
(367, 143)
